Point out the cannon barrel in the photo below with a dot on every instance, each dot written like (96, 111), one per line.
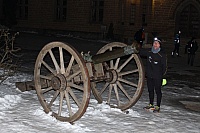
(116, 53)
(69, 80)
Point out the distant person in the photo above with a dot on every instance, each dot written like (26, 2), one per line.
(140, 36)
(110, 34)
(156, 68)
(176, 44)
(191, 48)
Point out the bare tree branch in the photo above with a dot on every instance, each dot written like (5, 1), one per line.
(9, 58)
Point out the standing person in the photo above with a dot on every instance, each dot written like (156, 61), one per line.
(176, 44)
(140, 36)
(191, 48)
(156, 68)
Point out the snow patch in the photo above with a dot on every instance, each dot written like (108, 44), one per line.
(8, 101)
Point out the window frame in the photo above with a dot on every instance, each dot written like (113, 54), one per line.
(97, 11)
(132, 14)
(22, 9)
(61, 10)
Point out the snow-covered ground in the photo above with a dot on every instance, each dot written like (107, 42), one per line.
(21, 112)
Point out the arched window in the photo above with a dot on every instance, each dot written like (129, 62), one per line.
(189, 21)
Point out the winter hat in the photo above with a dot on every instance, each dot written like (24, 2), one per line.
(157, 39)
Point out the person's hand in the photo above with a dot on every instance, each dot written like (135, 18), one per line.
(136, 46)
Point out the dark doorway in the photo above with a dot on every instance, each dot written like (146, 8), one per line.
(189, 21)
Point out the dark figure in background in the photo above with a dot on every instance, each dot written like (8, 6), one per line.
(191, 48)
(110, 34)
(9, 12)
(176, 44)
(156, 68)
(140, 36)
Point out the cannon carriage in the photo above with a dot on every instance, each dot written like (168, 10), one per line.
(65, 78)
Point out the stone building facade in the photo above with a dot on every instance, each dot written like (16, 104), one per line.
(91, 18)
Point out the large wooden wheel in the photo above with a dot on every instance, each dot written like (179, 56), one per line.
(62, 81)
(125, 86)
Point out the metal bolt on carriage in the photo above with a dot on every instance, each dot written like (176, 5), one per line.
(65, 78)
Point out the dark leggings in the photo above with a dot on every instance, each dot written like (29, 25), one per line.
(154, 84)
(176, 49)
(191, 59)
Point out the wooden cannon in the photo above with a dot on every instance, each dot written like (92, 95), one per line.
(65, 78)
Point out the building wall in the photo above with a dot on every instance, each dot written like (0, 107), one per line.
(162, 17)
(1, 12)
(165, 18)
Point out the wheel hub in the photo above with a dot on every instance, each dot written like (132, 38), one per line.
(59, 82)
(113, 76)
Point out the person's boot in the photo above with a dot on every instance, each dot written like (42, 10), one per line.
(156, 109)
(172, 53)
(149, 107)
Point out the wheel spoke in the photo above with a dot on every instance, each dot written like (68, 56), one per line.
(68, 102)
(111, 61)
(48, 67)
(69, 66)
(76, 86)
(123, 90)
(111, 64)
(117, 63)
(74, 74)
(74, 97)
(60, 103)
(128, 72)
(45, 77)
(53, 99)
(62, 67)
(54, 61)
(105, 86)
(125, 63)
(109, 94)
(127, 82)
(116, 93)
(46, 90)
